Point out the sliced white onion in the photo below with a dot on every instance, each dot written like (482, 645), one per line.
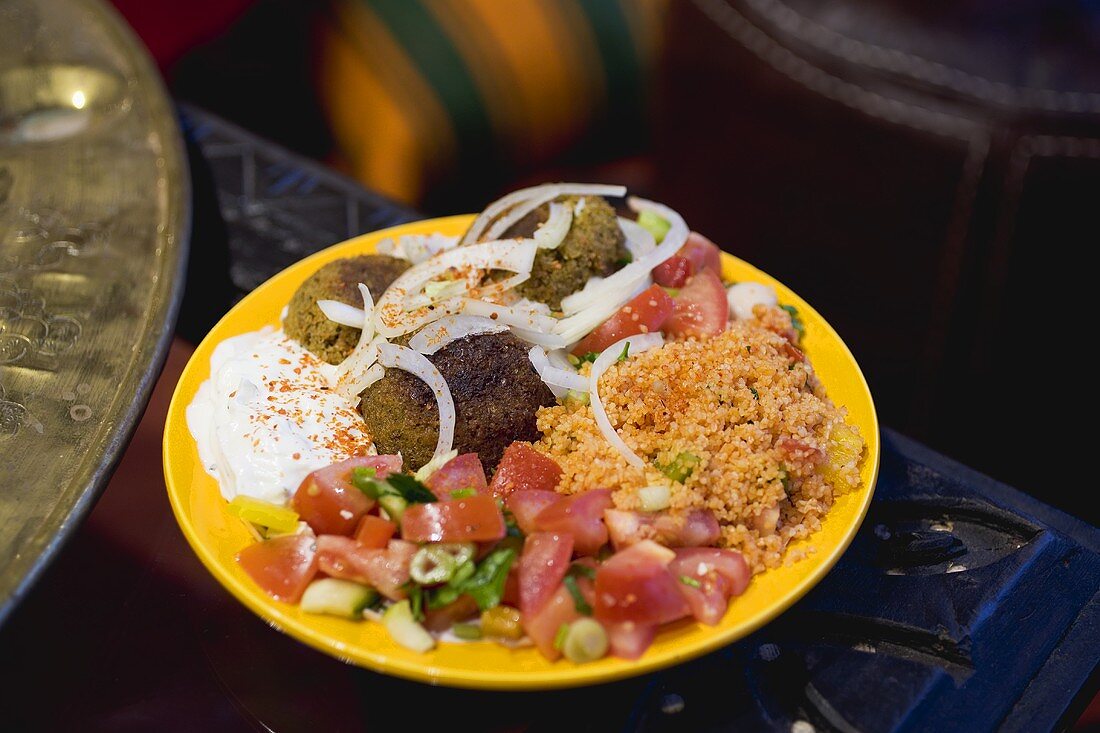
(342, 313)
(435, 336)
(416, 248)
(560, 359)
(639, 240)
(545, 340)
(495, 209)
(404, 358)
(393, 316)
(609, 356)
(552, 232)
(353, 374)
(349, 375)
(507, 315)
(558, 380)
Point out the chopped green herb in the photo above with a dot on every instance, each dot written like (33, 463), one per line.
(796, 321)
(748, 349)
(579, 570)
(463, 493)
(755, 394)
(672, 292)
(591, 356)
(680, 467)
(624, 261)
(654, 224)
(559, 638)
(486, 585)
(579, 603)
(688, 580)
(469, 632)
(409, 489)
(626, 352)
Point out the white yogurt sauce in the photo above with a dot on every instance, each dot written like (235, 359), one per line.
(267, 417)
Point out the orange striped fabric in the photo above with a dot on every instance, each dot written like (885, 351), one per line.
(419, 92)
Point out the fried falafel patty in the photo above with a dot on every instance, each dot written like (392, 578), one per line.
(595, 245)
(338, 280)
(496, 393)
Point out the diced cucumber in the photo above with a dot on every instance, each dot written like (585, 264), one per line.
(337, 597)
(398, 620)
(394, 506)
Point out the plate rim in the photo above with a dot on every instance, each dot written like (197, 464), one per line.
(553, 678)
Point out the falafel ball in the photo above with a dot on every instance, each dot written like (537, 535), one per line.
(595, 245)
(338, 280)
(496, 393)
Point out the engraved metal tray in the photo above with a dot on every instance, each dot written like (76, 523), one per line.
(94, 216)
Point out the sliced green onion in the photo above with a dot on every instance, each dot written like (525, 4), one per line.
(586, 641)
(363, 479)
(573, 360)
(432, 565)
(579, 602)
(578, 396)
(463, 572)
(559, 638)
(626, 352)
(394, 506)
(463, 493)
(654, 224)
(688, 580)
(469, 632)
(680, 467)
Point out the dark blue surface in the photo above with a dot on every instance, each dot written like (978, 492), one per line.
(962, 605)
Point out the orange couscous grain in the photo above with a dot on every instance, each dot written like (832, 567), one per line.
(747, 404)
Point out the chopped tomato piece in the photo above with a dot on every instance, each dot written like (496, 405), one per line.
(282, 566)
(694, 528)
(542, 625)
(385, 570)
(629, 640)
(717, 575)
(441, 619)
(461, 472)
(635, 585)
(473, 519)
(528, 504)
(327, 501)
(646, 313)
(542, 566)
(702, 252)
(700, 309)
(796, 450)
(375, 532)
(582, 517)
(523, 468)
(674, 272)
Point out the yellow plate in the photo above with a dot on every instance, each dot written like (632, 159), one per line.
(216, 536)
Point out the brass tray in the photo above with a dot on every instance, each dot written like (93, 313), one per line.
(94, 216)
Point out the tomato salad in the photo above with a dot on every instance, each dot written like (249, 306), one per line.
(448, 552)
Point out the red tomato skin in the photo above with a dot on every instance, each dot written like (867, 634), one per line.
(581, 516)
(282, 566)
(727, 563)
(526, 506)
(629, 640)
(702, 253)
(543, 564)
(719, 574)
(473, 519)
(646, 313)
(461, 472)
(441, 619)
(327, 501)
(542, 626)
(523, 468)
(375, 532)
(700, 309)
(695, 528)
(673, 272)
(384, 570)
(635, 585)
